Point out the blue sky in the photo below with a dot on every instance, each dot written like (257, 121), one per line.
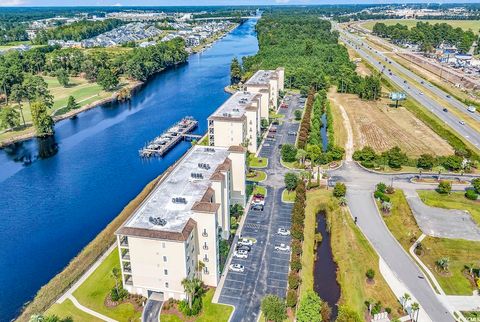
(197, 2)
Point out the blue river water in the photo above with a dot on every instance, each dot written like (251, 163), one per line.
(55, 197)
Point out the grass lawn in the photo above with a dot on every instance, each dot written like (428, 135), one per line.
(211, 312)
(257, 162)
(288, 196)
(338, 126)
(403, 226)
(292, 165)
(67, 309)
(94, 290)
(260, 190)
(454, 200)
(401, 222)
(354, 256)
(464, 24)
(259, 176)
(460, 253)
(273, 115)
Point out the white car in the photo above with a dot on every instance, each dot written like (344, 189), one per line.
(245, 241)
(237, 268)
(282, 247)
(240, 254)
(283, 232)
(462, 122)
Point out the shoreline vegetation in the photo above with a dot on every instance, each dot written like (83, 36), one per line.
(60, 283)
(133, 85)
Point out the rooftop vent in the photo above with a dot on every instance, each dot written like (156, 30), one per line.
(205, 166)
(236, 110)
(196, 175)
(179, 200)
(157, 221)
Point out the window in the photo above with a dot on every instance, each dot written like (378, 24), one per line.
(166, 284)
(164, 258)
(165, 271)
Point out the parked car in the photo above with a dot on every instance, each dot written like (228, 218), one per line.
(240, 254)
(243, 248)
(237, 268)
(448, 96)
(256, 207)
(280, 146)
(266, 144)
(282, 247)
(283, 232)
(462, 122)
(284, 106)
(258, 197)
(445, 109)
(292, 133)
(245, 241)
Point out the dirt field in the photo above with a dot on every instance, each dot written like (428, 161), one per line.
(382, 127)
(361, 68)
(464, 24)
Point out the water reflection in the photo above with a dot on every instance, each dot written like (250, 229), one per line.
(27, 152)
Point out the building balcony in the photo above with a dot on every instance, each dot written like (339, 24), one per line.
(124, 242)
(204, 233)
(128, 280)
(125, 255)
(205, 247)
(205, 259)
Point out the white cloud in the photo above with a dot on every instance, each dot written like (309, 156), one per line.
(282, 1)
(118, 4)
(12, 3)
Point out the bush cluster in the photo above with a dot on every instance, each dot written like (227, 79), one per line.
(196, 306)
(297, 230)
(395, 158)
(305, 124)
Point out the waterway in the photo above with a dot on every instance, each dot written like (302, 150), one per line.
(325, 269)
(57, 196)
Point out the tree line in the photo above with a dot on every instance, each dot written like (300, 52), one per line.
(21, 80)
(427, 36)
(76, 31)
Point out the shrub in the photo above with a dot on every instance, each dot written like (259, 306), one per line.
(368, 164)
(382, 187)
(476, 184)
(291, 298)
(288, 152)
(196, 307)
(340, 190)
(293, 281)
(295, 263)
(291, 181)
(298, 114)
(370, 274)
(118, 294)
(425, 161)
(390, 190)
(471, 194)
(296, 247)
(297, 231)
(444, 187)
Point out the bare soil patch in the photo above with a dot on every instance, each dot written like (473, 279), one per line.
(382, 127)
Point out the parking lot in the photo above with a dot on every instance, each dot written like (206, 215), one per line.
(265, 269)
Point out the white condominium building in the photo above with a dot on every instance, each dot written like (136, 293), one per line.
(268, 83)
(237, 122)
(181, 222)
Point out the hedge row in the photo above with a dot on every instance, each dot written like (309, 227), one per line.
(305, 125)
(297, 231)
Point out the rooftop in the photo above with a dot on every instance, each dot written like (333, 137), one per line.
(169, 207)
(261, 77)
(235, 106)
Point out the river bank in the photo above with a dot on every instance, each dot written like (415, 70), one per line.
(29, 132)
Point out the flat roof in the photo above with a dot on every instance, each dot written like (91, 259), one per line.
(261, 77)
(172, 199)
(235, 106)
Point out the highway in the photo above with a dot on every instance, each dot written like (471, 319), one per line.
(380, 64)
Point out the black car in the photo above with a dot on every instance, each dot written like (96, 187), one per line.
(257, 207)
(445, 110)
(243, 247)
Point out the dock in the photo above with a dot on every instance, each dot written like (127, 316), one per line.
(171, 137)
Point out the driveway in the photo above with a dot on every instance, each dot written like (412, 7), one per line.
(151, 311)
(438, 222)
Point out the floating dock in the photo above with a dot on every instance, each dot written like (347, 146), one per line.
(166, 141)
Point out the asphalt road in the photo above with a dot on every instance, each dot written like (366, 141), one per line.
(266, 269)
(379, 63)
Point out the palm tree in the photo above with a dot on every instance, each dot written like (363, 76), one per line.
(200, 267)
(115, 274)
(415, 309)
(405, 298)
(443, 263)
(191, 287)
(17, 94)
(342, 201)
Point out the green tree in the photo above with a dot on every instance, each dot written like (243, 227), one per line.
(289, 152)
(339, 190)
(346, 314)
(298, 115)
(273, 308)
(9, 118)
(426, 161)
(235, 71)
(310, 307)
(300, 156)
(192, 288)
(444, 187)
(37, 89)
(291, 181)
(42, 121)
(107, 79)
(62, 77)
(72, 103)
(476, 184)
(18, 94)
